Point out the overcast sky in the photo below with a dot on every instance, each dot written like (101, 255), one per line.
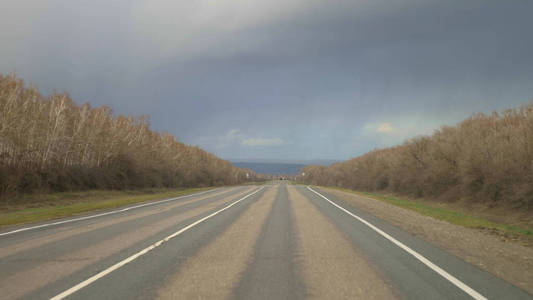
(278, 79)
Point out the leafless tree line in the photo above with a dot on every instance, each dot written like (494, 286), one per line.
(486, 158)
(53, 144)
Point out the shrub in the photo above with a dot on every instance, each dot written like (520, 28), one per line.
(486, 158)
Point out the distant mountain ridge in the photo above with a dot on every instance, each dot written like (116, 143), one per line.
(306, 162)
(271, 168)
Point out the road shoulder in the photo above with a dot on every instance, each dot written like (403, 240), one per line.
(508, 260)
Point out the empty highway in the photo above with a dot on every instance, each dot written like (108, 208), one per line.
(276, 241)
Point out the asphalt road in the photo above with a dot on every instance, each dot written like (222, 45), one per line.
(278, 241)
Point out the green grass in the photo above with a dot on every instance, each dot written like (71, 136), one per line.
(255, 182)
(445, 214)
(35, 208)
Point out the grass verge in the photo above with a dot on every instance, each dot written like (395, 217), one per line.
(449, 215)
(256, 182)
(35, 208)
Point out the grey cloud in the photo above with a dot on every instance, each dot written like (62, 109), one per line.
(312, 73)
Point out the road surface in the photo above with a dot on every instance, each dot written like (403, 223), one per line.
(276, 241)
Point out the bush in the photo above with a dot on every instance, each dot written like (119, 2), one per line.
(53, 144)
(485, 158)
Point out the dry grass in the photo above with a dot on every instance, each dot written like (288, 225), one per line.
(509, 224)
(485, 159)
(35, 208)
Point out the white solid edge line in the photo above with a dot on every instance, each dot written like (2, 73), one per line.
(103, 214)
(474, 294)
(118, 265)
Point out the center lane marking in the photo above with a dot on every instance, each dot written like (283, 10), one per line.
(65, 233)
(43, 272)
(470, 291)
(120, 264)
(214, 271)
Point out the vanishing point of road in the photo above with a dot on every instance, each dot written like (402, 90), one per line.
(276, 241)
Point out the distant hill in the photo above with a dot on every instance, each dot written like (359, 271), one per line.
(271, 168)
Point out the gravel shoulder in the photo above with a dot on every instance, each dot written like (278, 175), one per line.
(504, 258)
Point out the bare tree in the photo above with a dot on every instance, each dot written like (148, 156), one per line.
(51, 143)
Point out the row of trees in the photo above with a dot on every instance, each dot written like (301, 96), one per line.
(485, 158)
(53, 144)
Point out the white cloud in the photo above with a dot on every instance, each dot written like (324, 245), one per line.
(397, 129)
(263, 142)
(233, 136)
(385, 128)
(237, 137)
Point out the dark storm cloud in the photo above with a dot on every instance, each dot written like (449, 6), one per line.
(284, 79)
